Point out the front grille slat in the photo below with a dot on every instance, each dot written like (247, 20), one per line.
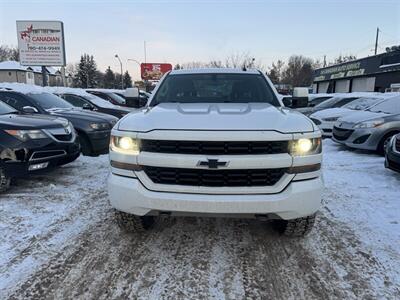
(341, 134)
(215, 148)
(214, 178)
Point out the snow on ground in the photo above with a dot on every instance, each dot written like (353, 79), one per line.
(59, 240)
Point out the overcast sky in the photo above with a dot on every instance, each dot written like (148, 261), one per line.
(183, 31)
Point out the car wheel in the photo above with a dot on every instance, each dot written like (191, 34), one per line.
(384, 142)
(133, 223)
(4, 180)
(295, 227)
(86, 148)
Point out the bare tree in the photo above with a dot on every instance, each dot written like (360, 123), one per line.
(299, 71)
(8, 53)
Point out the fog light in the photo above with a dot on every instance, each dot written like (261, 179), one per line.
(38, 166)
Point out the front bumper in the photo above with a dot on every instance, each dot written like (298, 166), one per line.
(298, 199)
(392, 159)
(100, 141)
(359, 138)
(44, 158)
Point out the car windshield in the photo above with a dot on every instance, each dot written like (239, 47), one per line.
(98, 101)
(215, 88)
(333, 101)
(6, 109)
(362, 103)
(116, 98)
(390, 106)
(48, 101)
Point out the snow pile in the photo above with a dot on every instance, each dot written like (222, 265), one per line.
(22, 87)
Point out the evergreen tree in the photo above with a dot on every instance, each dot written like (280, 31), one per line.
(109, 79)
(127, 80)
(117, 81)
(86, 74)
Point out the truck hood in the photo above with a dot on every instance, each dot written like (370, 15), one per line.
(31, 121)
(361, 116)
(216, 116)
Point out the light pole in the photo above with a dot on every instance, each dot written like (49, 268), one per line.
(122, 75)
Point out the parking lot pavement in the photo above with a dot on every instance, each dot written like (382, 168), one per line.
(59, 241)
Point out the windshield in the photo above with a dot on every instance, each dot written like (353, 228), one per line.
(362, 103)
(215, 88)
(6, 109)
(390, 106)
(116, 98)
(98, 101)
(47, 101)
(333, 101)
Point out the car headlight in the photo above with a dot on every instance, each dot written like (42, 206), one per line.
(370, 124)
(25, 135)
(332, 119)
(302, 147)
(125, 145)
(99, 126)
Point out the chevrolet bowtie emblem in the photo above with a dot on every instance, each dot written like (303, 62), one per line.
(212, 163)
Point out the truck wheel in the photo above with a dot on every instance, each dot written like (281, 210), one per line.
(296, 227)
(4, 181)
(133, 223)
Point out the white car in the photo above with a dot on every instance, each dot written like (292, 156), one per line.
(326, 119)
(216, 142)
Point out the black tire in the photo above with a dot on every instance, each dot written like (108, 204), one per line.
(296, 227)
(4, 180)
(382, 144)
(133, 223)
(86, 147)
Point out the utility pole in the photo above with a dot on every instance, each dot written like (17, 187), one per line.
(145, 54)
(376, 40)
(122, 75)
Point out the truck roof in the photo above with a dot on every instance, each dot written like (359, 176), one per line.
(214, 70)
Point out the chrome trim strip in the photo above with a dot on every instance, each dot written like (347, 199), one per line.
(47, 157)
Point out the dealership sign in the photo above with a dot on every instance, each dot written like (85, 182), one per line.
(41, 43)
(154, 71)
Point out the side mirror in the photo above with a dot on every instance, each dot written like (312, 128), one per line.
(300, 97)
(132, 97)
(87, 106)
(30, 110)
(287, 101)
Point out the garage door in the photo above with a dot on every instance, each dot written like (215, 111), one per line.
(363, 84)
(323, 87)
(342, 86)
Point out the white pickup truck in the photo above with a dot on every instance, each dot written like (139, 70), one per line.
(216, 142)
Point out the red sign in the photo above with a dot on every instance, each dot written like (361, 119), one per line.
(153, 71)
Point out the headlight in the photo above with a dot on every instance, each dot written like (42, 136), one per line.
(302, 147)
(25, 135)
(369, 124)
(333, 119)
(99, 126)
(125, 145)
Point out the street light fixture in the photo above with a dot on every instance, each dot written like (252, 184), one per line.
(122, 75)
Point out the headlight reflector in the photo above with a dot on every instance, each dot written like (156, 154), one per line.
(25, 135)
(125, 145)
(369, 124)
(305, 146)
(99, 126)
(331, 119)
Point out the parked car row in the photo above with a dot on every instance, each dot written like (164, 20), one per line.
(41, 128)
(367, 121)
